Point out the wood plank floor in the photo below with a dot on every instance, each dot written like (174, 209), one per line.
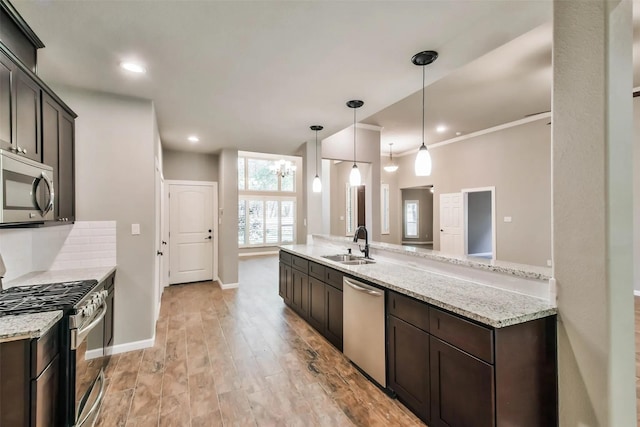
(241, 358)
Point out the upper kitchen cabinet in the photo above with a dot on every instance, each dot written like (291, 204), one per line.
(34, 121)
(27, 118)
(58, 130)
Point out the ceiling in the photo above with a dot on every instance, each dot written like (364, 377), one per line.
(255, 75)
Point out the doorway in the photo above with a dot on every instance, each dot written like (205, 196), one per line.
(417, 216)
(193, 231)
(480, 222)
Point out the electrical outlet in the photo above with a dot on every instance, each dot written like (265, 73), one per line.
(507, 219)
(548, 263)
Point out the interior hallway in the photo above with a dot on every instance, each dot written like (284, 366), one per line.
(241, 357)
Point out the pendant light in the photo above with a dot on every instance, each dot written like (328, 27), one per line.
(317, 183)
(354, 176)
(391, 167)
(423, 159)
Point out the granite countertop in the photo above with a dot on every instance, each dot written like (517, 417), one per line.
(497, 266)
(27, 326)
(485, 304)
(54, 276)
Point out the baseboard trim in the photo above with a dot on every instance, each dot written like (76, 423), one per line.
(225, 286)
(636, 293)
(247, 254)
(121, 348)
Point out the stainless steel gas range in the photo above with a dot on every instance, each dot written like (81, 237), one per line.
(84, 304)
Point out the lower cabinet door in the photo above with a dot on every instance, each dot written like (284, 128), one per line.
(300, 299)
(317, 298)
(44, 397)
(462, 388)
(282, 284)
(334, 316)
(408, 359)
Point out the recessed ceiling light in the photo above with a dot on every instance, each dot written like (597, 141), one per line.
(193, 138)
(441, 128)
(133, 67)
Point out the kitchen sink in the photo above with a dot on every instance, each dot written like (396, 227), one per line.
(348, 259)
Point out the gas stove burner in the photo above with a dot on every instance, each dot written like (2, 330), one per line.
(47, 297)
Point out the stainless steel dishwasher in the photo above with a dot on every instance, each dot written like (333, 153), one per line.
(363, 328)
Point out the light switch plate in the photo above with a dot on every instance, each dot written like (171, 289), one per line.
(507, 219)
(135, 229)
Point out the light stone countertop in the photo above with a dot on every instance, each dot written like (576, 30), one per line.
(55, 276)
(496, 266)
(485, 304)
(27, 326)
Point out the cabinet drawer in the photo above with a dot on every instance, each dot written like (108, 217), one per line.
(44, 349)
(333, 278)
(285, 257)
(316, 270)
(300, 264)
(408, 309)
(474, 339)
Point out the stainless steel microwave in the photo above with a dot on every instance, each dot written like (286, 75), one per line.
(27, 192)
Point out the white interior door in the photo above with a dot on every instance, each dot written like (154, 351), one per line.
(191, 228)
(451, 224)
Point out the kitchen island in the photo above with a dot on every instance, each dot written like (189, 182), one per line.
(458, 352)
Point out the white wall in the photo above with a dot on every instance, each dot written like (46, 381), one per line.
(186, 166)
(228, 207)
(116, 143)
(636, 193)
(517, 161)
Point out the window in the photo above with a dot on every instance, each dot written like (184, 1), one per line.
(384, 208)
(351, 209)
(266, 203)
(256, 174)
(411, 218)
(265, 221)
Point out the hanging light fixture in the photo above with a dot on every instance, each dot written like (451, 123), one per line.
(283, 168)
(354, 176)
(423, 159)
(391, 167)
(317, 183)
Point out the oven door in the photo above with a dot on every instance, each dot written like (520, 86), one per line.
(89, 370)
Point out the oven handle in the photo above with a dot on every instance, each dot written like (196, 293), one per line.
(77, 335)
(96, 405)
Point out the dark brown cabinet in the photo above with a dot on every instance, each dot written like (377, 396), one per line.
(44, 396)
(408, 362)
(27, 119)
(19, 110)
(58, 130)
(300, 298)
(317, 304)
(334, 316)
(29, 381)
(315, 293)
(462, 388)
(453, 372)
(34, 122)
(109, 317)
(6, 108)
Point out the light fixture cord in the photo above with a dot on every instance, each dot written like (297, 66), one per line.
(423, 105)
(354, 136)
(316, 153)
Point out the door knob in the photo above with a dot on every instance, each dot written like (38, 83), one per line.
(159, 253)
(207, 238)
(164, 243)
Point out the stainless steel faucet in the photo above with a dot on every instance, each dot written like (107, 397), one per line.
(365, 251)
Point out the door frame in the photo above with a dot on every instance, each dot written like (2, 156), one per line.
(465, 222)
(214, 189)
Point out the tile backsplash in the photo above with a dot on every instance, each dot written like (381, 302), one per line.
(89, 244)
(83, 244)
